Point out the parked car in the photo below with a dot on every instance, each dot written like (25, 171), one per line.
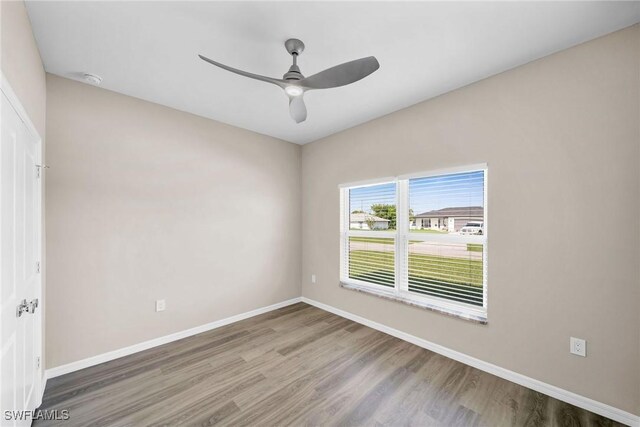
(472, 228)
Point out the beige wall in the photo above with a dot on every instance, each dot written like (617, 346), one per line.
(145, 202)
(561, 138)
(20, 61)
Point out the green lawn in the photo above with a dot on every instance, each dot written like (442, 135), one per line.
(474, 247)
(471, 247)
(383, 240)
(428, 230)
(457, 279)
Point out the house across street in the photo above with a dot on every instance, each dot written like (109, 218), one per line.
(448, 219)
(365, 221)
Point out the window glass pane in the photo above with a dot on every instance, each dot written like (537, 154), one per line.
(373, 208)
(447, 270)
(372, 259)
(447, 204)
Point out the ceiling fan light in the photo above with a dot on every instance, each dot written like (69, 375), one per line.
(293, 90)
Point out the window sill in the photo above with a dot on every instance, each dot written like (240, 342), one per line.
(471, 317)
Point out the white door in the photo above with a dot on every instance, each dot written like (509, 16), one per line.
(20, 233)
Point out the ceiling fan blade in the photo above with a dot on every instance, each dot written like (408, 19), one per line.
(342, 74)
(277, 82)
(297, 109)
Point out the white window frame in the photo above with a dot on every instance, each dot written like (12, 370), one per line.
(402, 234)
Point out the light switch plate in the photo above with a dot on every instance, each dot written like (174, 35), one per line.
(313, 278)
(160, 305)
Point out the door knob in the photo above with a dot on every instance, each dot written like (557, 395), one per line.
(22, 308)
(33, 305)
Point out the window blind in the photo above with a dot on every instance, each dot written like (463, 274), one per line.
(424, 237)
(370, 239)
(372, 259)
(448, 270)
(451, 208)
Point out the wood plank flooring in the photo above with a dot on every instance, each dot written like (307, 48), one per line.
(298, 366)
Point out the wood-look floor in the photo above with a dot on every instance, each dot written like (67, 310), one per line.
(299, 366)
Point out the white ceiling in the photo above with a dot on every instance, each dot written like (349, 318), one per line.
(149, 50)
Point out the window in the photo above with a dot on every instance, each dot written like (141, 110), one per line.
(420, 239)
(371, 240)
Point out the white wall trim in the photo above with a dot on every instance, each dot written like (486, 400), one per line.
(44, 386)
(6, 88)
(115, 354)
(16, 104)
(548, 389)
(446, 171)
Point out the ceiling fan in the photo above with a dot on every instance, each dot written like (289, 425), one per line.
(295, 84)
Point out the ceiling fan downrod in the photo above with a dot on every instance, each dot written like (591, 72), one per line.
(295, 47)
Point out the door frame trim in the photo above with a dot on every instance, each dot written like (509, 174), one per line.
(6, 88)
(14, 100)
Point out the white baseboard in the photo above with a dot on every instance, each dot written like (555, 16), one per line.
(548, 389)
(115, 354)
(43, 381)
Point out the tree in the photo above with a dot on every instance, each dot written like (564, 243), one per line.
(371, 223)
(385, 211)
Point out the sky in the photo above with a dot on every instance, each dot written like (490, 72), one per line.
(425, 194)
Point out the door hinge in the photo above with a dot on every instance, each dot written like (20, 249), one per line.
(38, 267)
(39, 170)
(38, 362)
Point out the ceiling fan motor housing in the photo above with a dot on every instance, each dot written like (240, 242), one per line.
(293, 73)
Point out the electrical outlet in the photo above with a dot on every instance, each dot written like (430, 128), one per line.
(160, 305)
(578, 347)
(313, 278)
